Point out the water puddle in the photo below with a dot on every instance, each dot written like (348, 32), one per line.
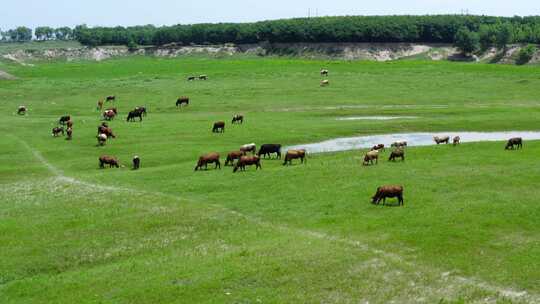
(412, 139)
(375, 117)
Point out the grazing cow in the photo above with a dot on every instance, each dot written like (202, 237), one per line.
(238, 119)
(294, 154)
(456, 140)
(219, 127)
(206, 159)
(64, 119)
(141, 109)
(249, 148)
(324, 72)
(133, 114)
(379, 147)
(370, 156)
(109, 115)
(191, 78)
(21, 110)
(99, 105)
(398, 153)
(57, 130)
(110, 98)
(182, 100)
(203, 77)
(232, 156)
(268, 149)
(325, 82)
(247, 161)
(440, 140)
(69, 123)
(106, 130)
(114, 109)
(399, 144)
(108, 160)
(136, 162)
(388, 191)
(516, 141)
(102, 139)
(69, 132)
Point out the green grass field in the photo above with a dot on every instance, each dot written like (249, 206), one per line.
(71, 232)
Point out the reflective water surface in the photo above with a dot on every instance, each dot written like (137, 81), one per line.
(412, 139)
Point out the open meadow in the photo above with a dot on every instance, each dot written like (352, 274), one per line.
(72, 232)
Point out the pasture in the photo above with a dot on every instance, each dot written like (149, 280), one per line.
(306, 233)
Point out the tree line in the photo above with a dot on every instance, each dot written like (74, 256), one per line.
(42, 33)
(468, 32)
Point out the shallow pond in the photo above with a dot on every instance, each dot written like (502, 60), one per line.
(412, 139)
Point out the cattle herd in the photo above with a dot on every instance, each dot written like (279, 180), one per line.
(246, 155)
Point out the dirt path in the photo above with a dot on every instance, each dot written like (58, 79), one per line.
(424, 283)
(6, 76)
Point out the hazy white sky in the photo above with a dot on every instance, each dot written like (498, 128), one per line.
(165, 12)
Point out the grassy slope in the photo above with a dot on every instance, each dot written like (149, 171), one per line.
(469, 210)
(8, 47)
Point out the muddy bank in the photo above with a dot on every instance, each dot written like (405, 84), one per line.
(412, 139)
(347, 51)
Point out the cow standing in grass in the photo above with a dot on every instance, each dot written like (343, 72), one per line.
(441, 140)
(388, 191)
(456, 141)
(219, 127)
(294, 154)
(184, 100)
(21, 110)
(206, 159)
(370, 157)
(516, 141)
(269, 149)
(56, 131)
(398, 153)
(108, 160)
(247, 161)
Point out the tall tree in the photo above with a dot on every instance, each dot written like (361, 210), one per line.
(468, 42)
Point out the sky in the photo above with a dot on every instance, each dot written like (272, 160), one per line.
(56, 13)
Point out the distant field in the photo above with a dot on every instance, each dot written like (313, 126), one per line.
(70, 232)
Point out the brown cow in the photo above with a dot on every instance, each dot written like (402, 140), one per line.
(110, 98)
(398, 153)
(109, 115)
(370, 156)
(232, 156)
(388, 191)
(182, 100)
(456, 141)
(247, 161)
(57, 130)
(108, 160)
(516, 141)
(69, 123)
(99, 105)
(325, 82)
(219, 127)
(107, 131)
(294, 154)
(440, 140)
(206, 159)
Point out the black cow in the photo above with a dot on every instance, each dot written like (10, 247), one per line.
(268, 149)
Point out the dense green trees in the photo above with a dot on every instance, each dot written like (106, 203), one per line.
(468, 42)
(489, 31)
